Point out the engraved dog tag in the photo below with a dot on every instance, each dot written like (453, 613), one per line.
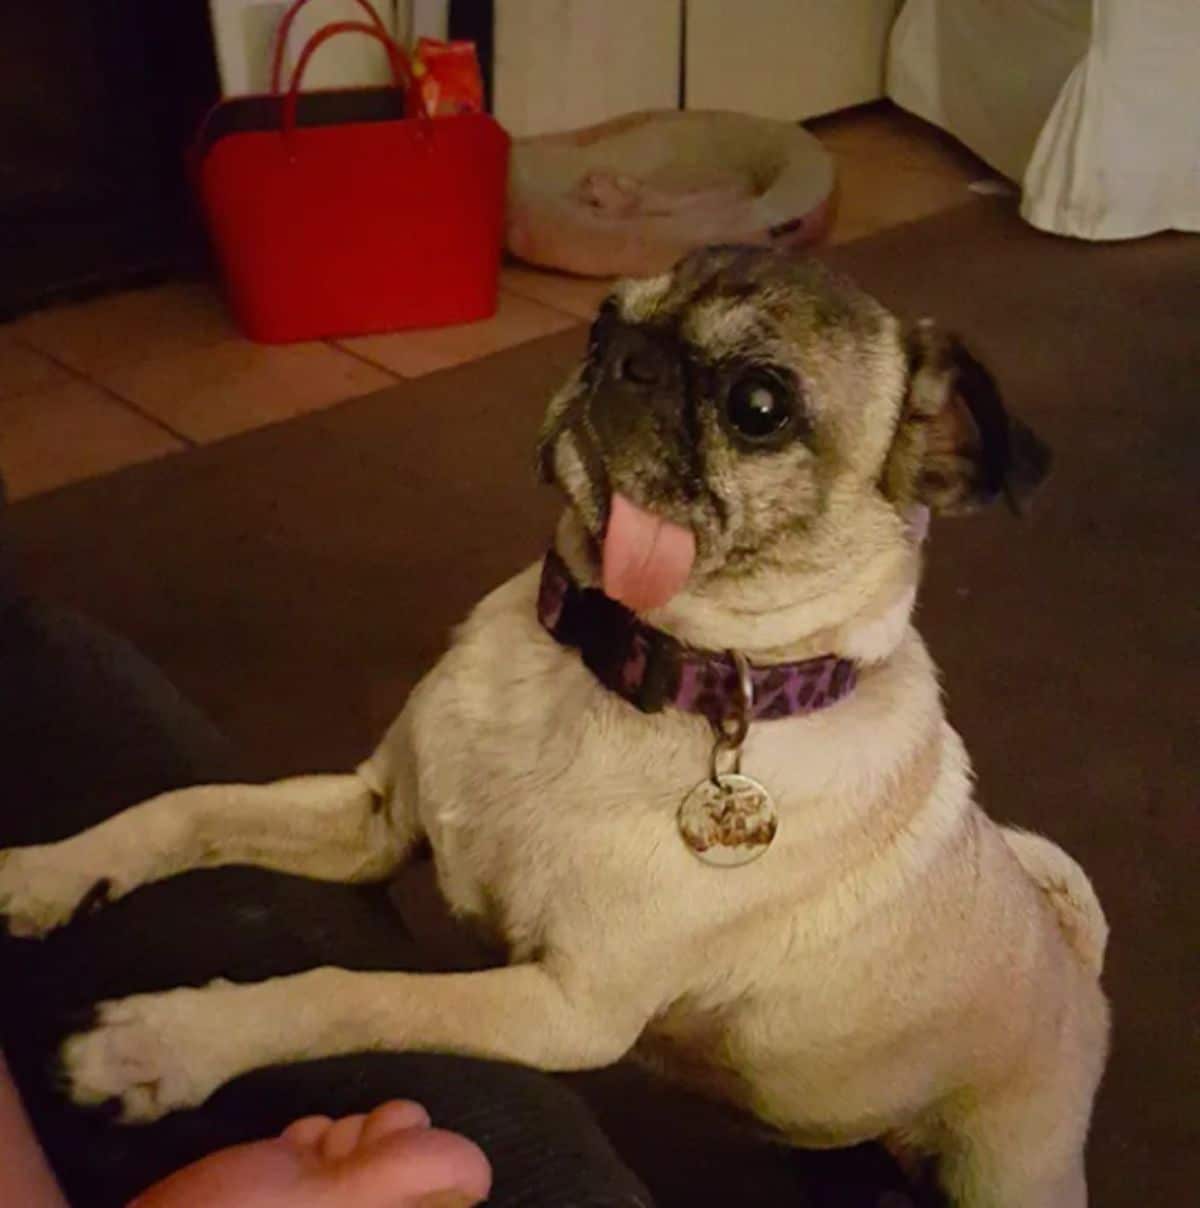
(728, 820)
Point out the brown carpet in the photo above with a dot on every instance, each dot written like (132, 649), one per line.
(296, 581)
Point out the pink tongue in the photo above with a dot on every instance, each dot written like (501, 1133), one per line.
(647, 559)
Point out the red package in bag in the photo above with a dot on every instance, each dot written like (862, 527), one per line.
(447, 78)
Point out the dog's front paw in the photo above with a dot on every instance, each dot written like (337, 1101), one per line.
(147, 1052)
(41, 889)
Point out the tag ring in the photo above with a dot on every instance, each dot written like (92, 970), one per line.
(733, 728)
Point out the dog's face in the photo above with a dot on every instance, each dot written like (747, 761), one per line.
(751, 412)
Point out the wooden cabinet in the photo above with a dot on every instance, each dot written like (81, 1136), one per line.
(787, 59)
(560, 64)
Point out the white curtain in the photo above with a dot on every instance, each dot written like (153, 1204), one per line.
(1092, 105)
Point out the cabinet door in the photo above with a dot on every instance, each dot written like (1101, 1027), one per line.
(787, 59)
(561, 64)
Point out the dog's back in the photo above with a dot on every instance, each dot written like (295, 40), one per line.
(1075, 903)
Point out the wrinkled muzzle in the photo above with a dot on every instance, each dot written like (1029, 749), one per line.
(624, 449)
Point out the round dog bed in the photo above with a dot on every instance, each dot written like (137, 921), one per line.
(630, 196)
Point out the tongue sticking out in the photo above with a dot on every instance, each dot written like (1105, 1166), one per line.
(647, 559)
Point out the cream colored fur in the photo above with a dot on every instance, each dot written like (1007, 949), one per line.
(889, 968)
(895, 966)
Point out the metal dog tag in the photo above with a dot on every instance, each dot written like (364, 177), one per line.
(728, 820)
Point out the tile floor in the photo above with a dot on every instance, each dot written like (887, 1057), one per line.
(88, 388)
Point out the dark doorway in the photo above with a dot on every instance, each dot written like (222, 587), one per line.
(97, 104)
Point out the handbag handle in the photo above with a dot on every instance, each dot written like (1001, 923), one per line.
(285, 27)
(401, 72)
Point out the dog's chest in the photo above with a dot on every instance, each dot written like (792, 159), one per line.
(531, 781)
(551, 806)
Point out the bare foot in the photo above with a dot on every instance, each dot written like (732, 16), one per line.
(389, 1159)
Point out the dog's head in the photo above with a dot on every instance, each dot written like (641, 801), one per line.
(752, 429)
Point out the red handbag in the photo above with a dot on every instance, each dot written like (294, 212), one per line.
(335, 213)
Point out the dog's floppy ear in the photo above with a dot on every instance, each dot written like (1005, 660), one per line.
(956, 448)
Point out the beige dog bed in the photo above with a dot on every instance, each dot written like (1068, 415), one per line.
(631, 196)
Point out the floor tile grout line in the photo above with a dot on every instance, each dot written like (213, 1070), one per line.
(363, 359)
(506, 288)
(559, 310)
(112, 394)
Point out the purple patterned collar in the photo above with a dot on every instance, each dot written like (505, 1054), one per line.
(651, 669)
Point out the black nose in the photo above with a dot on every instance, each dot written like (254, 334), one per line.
(639, 360)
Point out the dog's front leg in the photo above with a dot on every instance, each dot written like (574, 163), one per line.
(160, 1052)
(333, 828)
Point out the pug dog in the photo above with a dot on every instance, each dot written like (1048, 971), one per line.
(693, 771)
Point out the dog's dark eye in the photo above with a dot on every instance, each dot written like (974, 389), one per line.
(758, 405)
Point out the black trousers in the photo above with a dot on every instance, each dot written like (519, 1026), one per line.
(88, 727)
